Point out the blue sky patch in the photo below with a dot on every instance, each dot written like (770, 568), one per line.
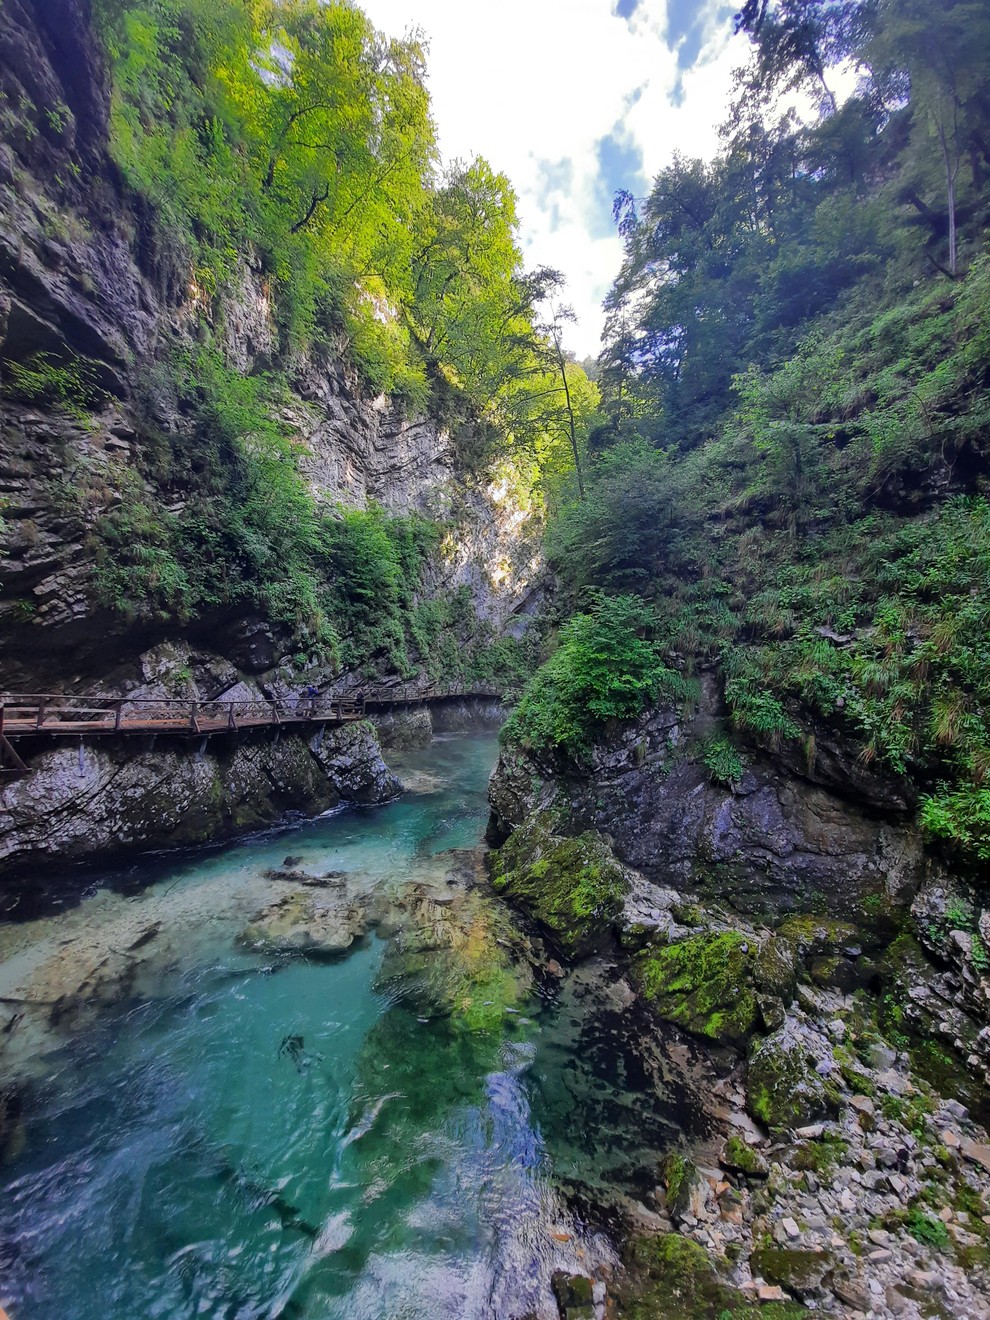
(620, 165)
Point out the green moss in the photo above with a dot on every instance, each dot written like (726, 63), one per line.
(678, 1175)
(737, 1155)
(774, 969)
(673, 1277)
(821, 1156)
(703, 984)
(817, 935)
(785, 1089)
(912, 1112)
(927, 1229)
(792, 1268)
(458, 962)
(573, 887)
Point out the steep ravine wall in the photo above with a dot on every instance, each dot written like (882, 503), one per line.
(793, 926)
(87, 275)
(780, 845)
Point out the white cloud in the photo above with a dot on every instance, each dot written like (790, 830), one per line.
(525, 83)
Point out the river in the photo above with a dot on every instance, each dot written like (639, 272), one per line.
(232, 1130)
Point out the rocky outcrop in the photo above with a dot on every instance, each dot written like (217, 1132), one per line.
(99, 297)
(791, 924)
(772, 843)
(106, 798)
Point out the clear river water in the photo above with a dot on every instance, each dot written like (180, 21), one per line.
(237, 1134)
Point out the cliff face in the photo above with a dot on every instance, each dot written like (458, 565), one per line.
(95, 301)
(776, 850)
(89, 282)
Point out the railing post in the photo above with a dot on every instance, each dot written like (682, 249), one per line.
(41, 713)
(118, 715)
(193, 721)
(231, 722)
(275, 714)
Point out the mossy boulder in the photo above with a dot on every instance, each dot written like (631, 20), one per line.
(575, 1295)
(573, 887)
(814, 936)
(775, 968)
(821, 1156)
(680, 1175)
(703, 984)
(673, 1277)
(799, 1271)
(792, 1078)
(741, 1158)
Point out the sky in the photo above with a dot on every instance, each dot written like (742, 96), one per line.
(573, 99)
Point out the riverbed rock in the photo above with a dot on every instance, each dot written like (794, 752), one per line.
(300, 924)
(575, 1294)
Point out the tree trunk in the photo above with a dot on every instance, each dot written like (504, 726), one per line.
(561, 362)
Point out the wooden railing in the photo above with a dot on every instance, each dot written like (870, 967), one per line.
(11, 765)
(56, 713)
(405, 694)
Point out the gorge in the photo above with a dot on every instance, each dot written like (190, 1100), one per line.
(671, 1001)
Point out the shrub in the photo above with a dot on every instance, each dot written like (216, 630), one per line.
(607, 666)
(722, 761)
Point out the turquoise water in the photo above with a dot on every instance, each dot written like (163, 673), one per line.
(243, 1135)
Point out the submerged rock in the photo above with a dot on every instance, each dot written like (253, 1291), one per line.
(298, 924)
(575, 1294)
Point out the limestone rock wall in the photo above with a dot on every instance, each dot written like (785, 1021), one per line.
(775, 842)
(111, 797)
(86, 275)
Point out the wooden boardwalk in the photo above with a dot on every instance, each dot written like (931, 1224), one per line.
(60, 715)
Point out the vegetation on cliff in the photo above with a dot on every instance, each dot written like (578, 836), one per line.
(793, 472)
(279, 163)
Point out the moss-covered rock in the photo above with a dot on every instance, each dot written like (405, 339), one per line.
(703, 984)
(679, 1177)
(673, 1277)
(775, 968)
(575, 1296)
(741, 1158)
(820, 1156)
(573, 887)
(790, 1078)
(813, 935)
(799, 1271)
